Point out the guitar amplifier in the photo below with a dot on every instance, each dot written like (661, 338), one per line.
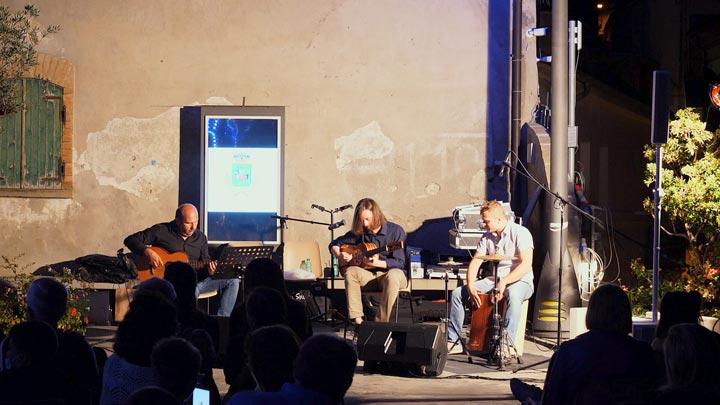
(467, 218)
(464, 240)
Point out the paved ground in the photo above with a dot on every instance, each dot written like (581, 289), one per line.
(460, 382)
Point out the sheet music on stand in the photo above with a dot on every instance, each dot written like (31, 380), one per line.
(234, 259)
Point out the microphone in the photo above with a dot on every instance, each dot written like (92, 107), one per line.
(344, 207)
(505, 164)
(336, 225)
(317, 207)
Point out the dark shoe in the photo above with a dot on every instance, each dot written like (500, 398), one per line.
(523, 391)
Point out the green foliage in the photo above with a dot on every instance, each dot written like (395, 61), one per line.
(13, 298)
(641, 294)
(691, 198)
(18, 37)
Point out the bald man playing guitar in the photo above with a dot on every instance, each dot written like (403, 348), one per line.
(180, 240)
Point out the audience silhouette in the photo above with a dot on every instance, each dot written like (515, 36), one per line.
(47, 301)
(323, 373)
(602, 366)
(259, 273)
(692, 355)
(149, 319)
(271, 352)
(175, 366)
(29, 371)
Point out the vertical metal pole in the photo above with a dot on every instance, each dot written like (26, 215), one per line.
(656, 229)
(559, 145)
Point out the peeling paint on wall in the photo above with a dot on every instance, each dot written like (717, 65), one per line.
(363, 150)
(21, 212)
(135, 155)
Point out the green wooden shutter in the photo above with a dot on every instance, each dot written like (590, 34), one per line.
(11, 147)
(43, 134)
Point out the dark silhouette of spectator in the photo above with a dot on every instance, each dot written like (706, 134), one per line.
(264, 306)
(160, 286)
(601, 366)
(152, 396)
(271, 352)
(266, 273)
(150, 318)
(676, 307)
(260, 273)
(175, 366)
(29, 371)
(692, 362)
(47, 301)
(184, 279)
(201, 340)
(323, 373)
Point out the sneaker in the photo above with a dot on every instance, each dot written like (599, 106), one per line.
(454, 348)
(524, 392)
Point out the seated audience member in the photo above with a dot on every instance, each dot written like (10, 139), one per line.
(179, 274)
(152, 395)
(271, 352)
(202, 341)
(323, 373)
(47, 301)
(29, 373)
(261, 273)
(692, 363)
(266, 273)
(264, 306)
(585, 369)
(159, 286)
(676, 307)
(150, 318)
(175, 366)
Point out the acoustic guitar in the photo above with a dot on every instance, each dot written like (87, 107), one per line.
(146, 271)
(366, 249)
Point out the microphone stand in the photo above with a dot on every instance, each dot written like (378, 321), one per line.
(563, 203)
(333, 265)
(283, 225)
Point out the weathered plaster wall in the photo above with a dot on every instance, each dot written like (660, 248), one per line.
(383, 99)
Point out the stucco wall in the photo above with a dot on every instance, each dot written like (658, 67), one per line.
(383, 99)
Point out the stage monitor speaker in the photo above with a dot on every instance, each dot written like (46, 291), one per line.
(420, 347)
(660, 106)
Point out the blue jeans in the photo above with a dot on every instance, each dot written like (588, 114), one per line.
(228, 289)
(515, 293)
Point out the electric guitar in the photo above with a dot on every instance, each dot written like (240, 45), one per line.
(363, 250)
(146, 271)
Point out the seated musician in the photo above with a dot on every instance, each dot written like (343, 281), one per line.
(382, 271)
(181, 235)
(515, 277)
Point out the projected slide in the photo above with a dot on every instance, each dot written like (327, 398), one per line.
(242, 178)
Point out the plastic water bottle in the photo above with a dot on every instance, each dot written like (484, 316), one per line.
(308, 265)
(303, 265)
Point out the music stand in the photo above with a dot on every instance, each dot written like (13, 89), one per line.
(234, 259)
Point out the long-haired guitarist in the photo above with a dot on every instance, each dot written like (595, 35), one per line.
(368, 263)
(182, 235)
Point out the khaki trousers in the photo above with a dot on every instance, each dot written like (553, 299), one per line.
(389, 282)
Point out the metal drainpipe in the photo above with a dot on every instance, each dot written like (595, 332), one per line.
(516, 99)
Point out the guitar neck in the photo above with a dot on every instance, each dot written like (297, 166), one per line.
(389, 247)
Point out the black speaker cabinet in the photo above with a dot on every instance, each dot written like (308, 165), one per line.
(421, 347)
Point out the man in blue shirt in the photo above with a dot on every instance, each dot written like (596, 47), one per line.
(383, 271)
